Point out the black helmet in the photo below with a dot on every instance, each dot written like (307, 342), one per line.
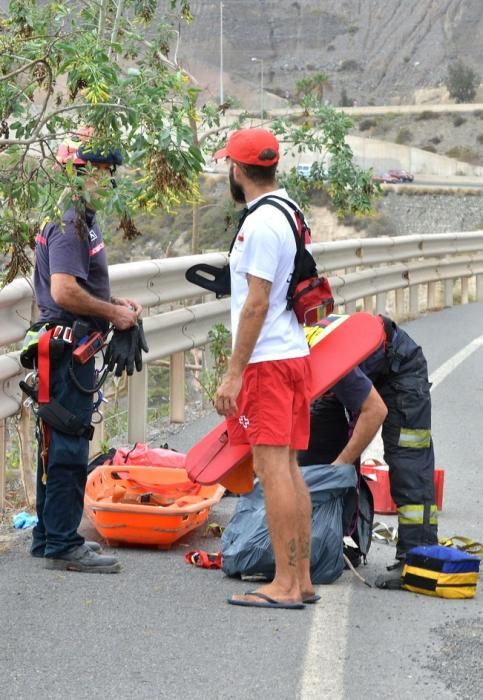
(113, 157)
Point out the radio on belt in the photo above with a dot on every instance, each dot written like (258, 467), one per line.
(88, 347)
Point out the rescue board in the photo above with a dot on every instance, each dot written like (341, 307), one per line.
(337, 345)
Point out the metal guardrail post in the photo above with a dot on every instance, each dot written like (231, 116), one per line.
(3, 462)
(381, 303)
(369, 304)
(432, 294)
(95, 445)
(177, 388)
(137, 393)
(414, 300)
(464, 290)
(400, 303)
(479, 287)
(448, 292)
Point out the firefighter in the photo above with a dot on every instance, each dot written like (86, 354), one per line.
(398, 371)
(71, 287)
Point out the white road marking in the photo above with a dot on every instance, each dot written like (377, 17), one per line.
(447, 367)
(323, 674)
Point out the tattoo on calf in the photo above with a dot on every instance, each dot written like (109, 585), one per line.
(292, 553)
(305, 549)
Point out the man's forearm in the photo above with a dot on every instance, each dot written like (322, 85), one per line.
(78, 301)
(372, 415)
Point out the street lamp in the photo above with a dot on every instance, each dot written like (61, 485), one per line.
(221, 53)
(260, 60)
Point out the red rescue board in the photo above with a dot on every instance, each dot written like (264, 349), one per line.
(335, 349)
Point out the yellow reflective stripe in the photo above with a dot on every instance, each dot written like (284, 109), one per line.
(418, 438)
(414, 515)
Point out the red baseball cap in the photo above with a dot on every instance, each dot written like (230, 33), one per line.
(248, 146)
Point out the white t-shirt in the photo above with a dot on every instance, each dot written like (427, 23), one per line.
(265, 247)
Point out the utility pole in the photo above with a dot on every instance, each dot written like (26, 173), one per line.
(221, 54)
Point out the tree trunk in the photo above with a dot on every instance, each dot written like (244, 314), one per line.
(195, 229)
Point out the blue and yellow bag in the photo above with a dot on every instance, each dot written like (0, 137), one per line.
(445, 572)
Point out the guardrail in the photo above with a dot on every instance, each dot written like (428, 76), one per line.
(376, 274)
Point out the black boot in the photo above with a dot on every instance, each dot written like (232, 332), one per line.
(393, 579)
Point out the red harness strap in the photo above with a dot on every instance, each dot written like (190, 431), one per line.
(204, 560)
(44, 366)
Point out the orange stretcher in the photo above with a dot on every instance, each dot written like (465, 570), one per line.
(335, 349)
(147, 505)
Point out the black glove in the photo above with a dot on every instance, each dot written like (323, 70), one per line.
(140, 346)
(124, 350)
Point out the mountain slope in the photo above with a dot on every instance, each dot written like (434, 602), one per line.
(380, 50)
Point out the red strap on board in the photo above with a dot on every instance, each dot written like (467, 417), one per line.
(44, 366)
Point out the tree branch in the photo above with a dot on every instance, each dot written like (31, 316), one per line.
(23, 68)
(115, 27)
(47, 98)
(102, 21)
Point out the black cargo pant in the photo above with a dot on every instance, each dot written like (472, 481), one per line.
(60, 500)
(408, 445)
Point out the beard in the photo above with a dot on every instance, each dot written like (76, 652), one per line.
(236, 191)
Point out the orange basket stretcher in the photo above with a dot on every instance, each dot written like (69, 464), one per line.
(147, 505)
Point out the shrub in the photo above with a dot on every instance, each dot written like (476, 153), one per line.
(366, 124)
(426, 114)
(463, 153)
(404, 135)
(462, 82)
(345, 100)
(459, 120)
(349, 64)
(436, 140)
(429, 148)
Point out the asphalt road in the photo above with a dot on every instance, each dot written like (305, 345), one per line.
(162, 629)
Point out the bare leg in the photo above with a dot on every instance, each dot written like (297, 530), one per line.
(304, 527)
(272, 466)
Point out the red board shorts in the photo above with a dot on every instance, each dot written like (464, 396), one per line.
(273, 405)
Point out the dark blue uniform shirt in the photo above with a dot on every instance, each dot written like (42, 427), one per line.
(62, 249)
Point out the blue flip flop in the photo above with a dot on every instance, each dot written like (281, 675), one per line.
(311, 599)
(265, 602)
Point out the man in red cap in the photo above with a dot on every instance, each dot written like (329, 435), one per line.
(265, 394)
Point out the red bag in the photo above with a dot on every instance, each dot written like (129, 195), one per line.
(142, 455)
(312, 300)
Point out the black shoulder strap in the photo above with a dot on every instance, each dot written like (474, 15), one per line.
(301, 253)
(269, 199)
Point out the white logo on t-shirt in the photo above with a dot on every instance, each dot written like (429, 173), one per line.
(92, 235)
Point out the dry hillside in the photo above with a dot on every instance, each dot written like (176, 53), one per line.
(378, 50)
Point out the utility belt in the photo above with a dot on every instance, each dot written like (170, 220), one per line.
(30, 347)
(44, 343)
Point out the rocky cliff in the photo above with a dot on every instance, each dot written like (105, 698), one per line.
(377, 50)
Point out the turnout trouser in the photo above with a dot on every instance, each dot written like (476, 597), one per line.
(60, 500)
(408, 446)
